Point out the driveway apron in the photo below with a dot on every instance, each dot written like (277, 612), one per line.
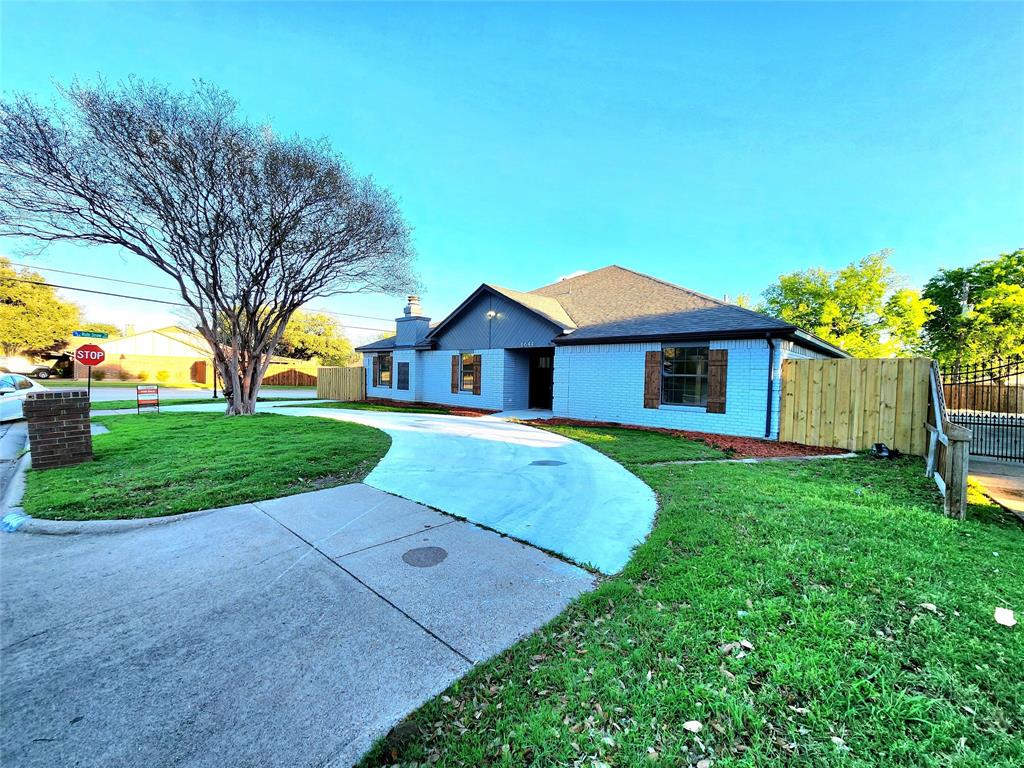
(291, 633)
(535, 485)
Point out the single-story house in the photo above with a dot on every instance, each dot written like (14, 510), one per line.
(179, 355)
(609, 345)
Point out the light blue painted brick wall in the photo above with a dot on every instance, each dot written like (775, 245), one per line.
(517, 381)
(436, 387)
(605, 382)
(393, 392)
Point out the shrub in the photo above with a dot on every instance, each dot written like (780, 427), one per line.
(99, 374)
(143, 376)
(123, 375)
(162, 376)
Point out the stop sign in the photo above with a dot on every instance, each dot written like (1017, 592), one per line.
(89, 354)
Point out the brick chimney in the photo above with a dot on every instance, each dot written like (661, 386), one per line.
(412, 327)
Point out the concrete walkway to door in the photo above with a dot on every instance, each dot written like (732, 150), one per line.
(534, 485)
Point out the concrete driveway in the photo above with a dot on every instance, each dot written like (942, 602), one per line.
(537, 486)
(290, 633)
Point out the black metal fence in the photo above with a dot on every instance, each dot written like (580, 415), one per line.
(988, 399)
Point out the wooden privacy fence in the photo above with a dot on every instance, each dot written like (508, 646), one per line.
(338, 383)
(854, 403)
(291, 377)
(988, 398)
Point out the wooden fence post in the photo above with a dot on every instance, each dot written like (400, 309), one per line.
(957, 466)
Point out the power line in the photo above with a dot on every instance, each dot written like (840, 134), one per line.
(141, 298)
(175, 290)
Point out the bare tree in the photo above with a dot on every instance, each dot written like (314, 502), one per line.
(251, 226)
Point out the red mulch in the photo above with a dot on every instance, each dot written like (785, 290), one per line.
(451, 410)
(736, 447)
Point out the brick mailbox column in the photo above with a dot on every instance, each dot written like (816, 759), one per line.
(58, 427)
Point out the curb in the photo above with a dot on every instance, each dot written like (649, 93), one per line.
(11, 516)
(14, 520)
(22, 523)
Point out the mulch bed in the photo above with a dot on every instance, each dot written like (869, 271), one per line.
(451, 410)
(735, 447)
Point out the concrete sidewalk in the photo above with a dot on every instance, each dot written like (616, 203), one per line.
(1002, 480)
(292, 632)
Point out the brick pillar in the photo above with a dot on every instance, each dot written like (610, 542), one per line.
(58, 427)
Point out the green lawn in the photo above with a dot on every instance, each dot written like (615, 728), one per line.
(357, 406)
(806, 613)
(634, 446)
(170, 463)
(114, 405)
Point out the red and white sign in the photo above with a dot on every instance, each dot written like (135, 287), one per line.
(90, 354)
(147, 396)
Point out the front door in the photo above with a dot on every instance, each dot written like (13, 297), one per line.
(542, 369)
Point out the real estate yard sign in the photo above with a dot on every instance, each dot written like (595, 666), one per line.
(147, 396)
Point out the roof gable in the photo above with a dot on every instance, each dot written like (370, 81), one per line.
(547, 310)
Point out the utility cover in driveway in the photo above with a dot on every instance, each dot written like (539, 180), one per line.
(288, 633)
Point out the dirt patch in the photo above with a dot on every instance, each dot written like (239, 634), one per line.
(735, 447)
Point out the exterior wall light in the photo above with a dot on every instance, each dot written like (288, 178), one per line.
(491, 314)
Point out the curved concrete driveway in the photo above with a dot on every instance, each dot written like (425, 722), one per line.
(537, 486)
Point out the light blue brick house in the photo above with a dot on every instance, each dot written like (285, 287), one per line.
(609, 345)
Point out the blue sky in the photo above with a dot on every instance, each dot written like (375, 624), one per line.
(712, 145)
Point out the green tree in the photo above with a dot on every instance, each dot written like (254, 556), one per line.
(33, 318)
(315, 334)
(862, 308)
(958, 331)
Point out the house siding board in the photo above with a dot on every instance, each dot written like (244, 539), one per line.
(512, 327)
(605, 382)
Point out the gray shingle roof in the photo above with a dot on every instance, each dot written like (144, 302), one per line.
(545, 306)
(718, 320)
(614, 293)
(615, 301)
(379, 344)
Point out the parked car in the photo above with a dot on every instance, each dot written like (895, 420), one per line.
(13, 389)
(26, 367)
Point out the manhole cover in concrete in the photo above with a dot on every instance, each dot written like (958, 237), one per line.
(425, 557)
(546, 463)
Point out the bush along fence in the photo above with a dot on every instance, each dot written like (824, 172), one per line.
(855, 403)
(337, 383)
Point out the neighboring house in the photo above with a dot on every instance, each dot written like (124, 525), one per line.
(609, 345)
(177, 355)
